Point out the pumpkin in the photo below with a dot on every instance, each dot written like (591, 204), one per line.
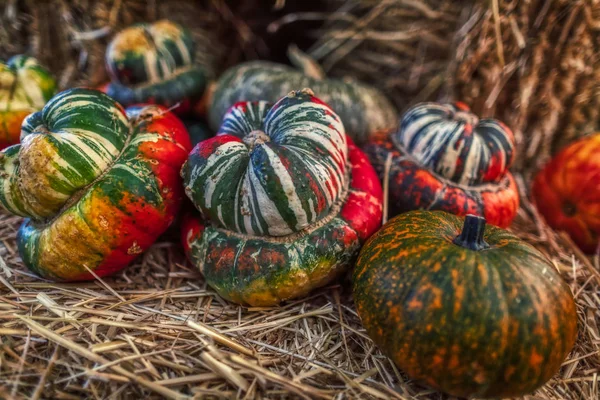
(97, 183)
(473, 312)
(567, 192)
(25, 86)
(363, 110)
(155, 63)
(286, 200)
(444, 158)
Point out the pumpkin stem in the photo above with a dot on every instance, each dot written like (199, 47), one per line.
(471, 236)
(305, 63)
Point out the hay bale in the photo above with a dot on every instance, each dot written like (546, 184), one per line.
(533, 64)
(70, 36)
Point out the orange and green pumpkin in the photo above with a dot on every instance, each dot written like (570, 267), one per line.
(25, 86)
(155, 63)
(444, 158)
(363, 110)
(567, 192)
(286, 200)
(97, 183)
(469, 310)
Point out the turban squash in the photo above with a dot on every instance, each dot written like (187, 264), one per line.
(567, 192)
(155, 63)
(363, 110)
(25, 87)
(286, 200)
(473, 312)
(97, 183)
(444, 158)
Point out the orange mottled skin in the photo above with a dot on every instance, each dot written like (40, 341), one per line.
(496, 322)
(567, 192)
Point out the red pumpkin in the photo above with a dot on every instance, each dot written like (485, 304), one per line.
(567, 192)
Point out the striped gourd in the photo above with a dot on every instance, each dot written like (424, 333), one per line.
(444, 158)
(155, 63)
(97, 184)
(25, 87)
(363, 109)
(274, 170)
(470, 310)
(453, 142)
(286, 200)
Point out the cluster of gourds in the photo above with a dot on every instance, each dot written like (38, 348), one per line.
(285, 201)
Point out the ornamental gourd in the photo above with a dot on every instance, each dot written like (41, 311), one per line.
(25, 86)
(473, 312)
(363, 110)
(567, 192)
(444, 158)
(155, 63)
(97, 184)
(286, 200)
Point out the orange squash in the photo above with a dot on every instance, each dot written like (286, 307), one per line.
(567, 192)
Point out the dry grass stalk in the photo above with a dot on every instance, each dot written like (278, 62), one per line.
(533, 64)
(548, 90)
(70, 36)
(155, 330)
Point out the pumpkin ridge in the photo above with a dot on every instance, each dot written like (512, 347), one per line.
(292, 237)
(483, 187)
(79, 194)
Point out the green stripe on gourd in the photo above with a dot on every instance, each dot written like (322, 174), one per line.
(154, 63)
(281, 176)
(363, 109)
(295, 266)
(147, 53)
(29, 84)
(64, 148)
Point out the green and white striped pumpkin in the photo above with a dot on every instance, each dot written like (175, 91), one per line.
(155, 63)
(272, 184)
(363, 110)
(286, 200)
(25, 86)
(97, 183)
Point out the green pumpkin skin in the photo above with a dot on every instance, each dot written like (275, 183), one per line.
(490, 323)
(363, 110)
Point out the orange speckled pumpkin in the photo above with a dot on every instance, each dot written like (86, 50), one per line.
(567, 192)
(473, 312)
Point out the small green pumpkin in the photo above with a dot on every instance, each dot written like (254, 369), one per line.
(363, 110)
(472, 314)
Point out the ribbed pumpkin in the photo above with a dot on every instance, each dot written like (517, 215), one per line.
(155, 63)
(363, 109)
(25, 87)
(286, 199)
(97, 184)
(444, 158)
(567, 192)
(472, 314)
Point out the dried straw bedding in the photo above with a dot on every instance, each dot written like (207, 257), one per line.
(155, 330)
